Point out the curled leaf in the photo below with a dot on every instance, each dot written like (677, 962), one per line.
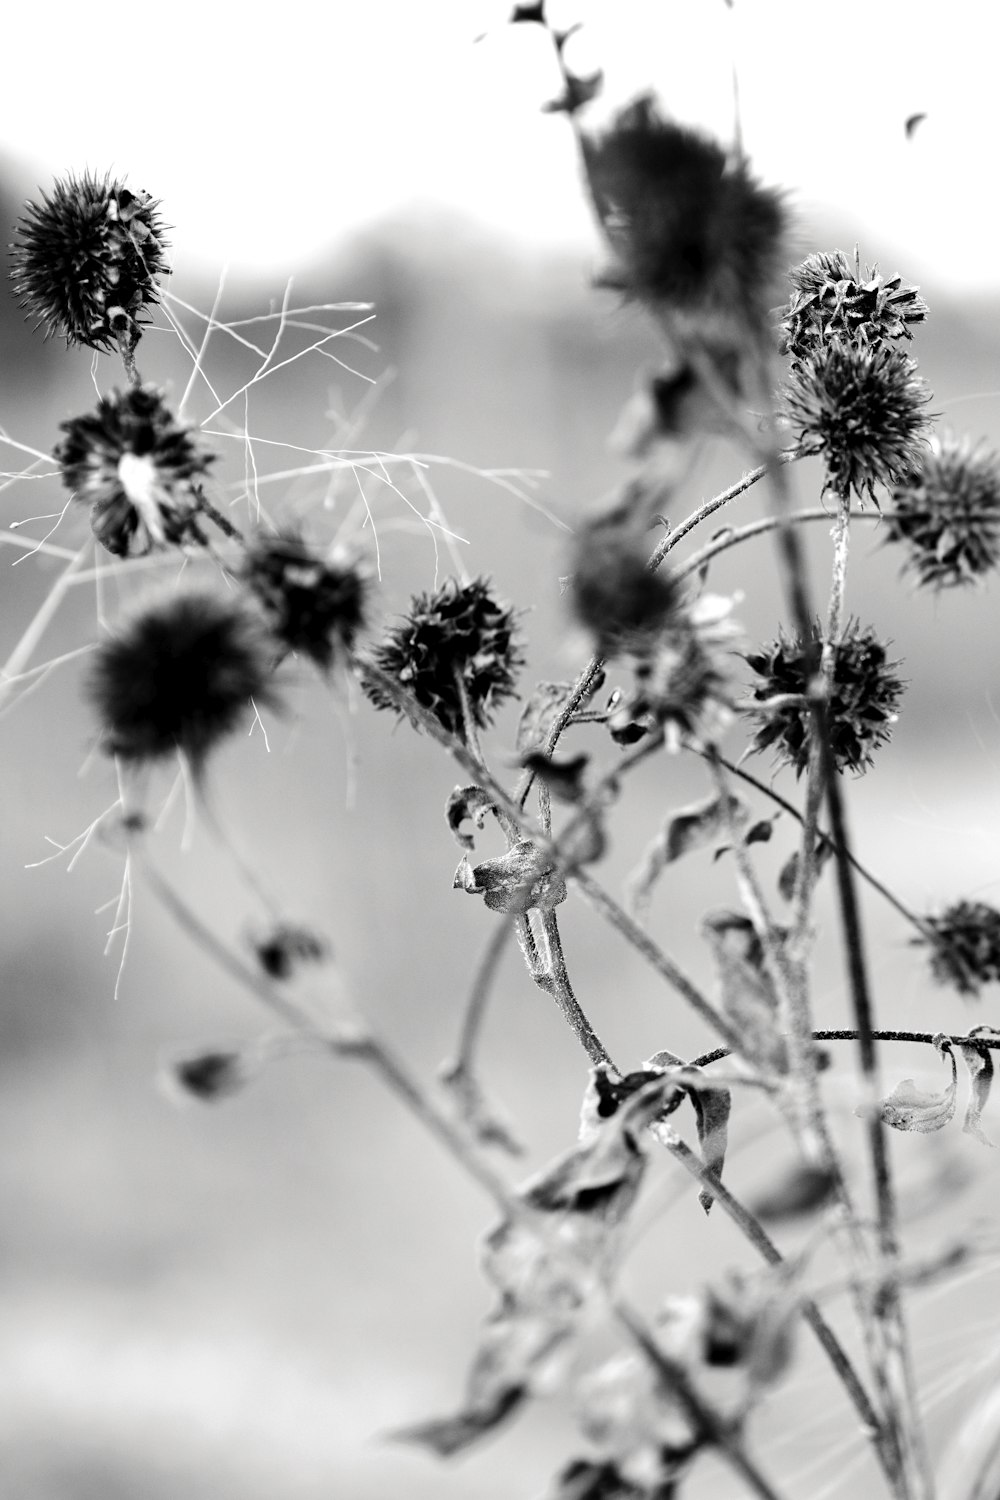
(690, 828)
(514, 882)
(911, 1108)
(467, 802)
(489, 1402)
(712, 1108)
(979, 1061)
(748, 996)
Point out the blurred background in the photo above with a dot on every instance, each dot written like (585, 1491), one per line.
(240, 1301)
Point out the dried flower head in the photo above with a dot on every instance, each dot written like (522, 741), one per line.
(947, 512)
(861, 709)
(455, 642)
(863, 410)
(179, 675)
(691, 227)
(682, 680)
(614, 594)
(313, 604)
(965, 947)
(137, 468)
(831, 299)
(87, 259)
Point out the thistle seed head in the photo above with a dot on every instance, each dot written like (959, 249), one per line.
(87, 259)
(965, 949)
(179, 675)
(946, 512)
(863, 410)
(691, 227)
(459, 634)
(831, 299)
(314, 605)
(861, 709)
(137, 468)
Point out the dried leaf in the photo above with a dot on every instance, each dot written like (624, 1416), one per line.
(514, 882)
(712, 1109)
(467, 802)
(539, 714)
(584, 843)
(797, 1191)
(445, 1436)
(690, 828)
(912, 1108)
(748, 997)
(760, 832)
(564, 778)
(979, 1061)
(822, 852)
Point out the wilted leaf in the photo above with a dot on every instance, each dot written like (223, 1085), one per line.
(712, 1108)
(583, 843)
(822, 852)
(471, 802)
(798, 1190)
(748, 1321)
(911, 1108)
(760, 832)
(979, 1061)
(539, 714)
(691, 828)
(447, 1435)
(748, 997)
(564, 778)
(514, 882)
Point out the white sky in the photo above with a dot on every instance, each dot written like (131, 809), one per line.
(269, 130)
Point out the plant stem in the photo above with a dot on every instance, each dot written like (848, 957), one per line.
(707, 1422)
(556, 981)
(789, 807)
(756, 1234)
(475, 1007)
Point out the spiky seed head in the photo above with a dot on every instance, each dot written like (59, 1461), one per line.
(946, 512)
(833, 299)
(964, 945)
(179, 674)
(314, 604)
(457, 633)
(863, 410)
(87, 259)
(137, 468)
(612, 592)
(861, 709)
(691, 227)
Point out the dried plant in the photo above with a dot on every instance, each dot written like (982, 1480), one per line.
(698, 243)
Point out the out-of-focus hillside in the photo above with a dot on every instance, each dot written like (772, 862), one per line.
(231, 1302)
